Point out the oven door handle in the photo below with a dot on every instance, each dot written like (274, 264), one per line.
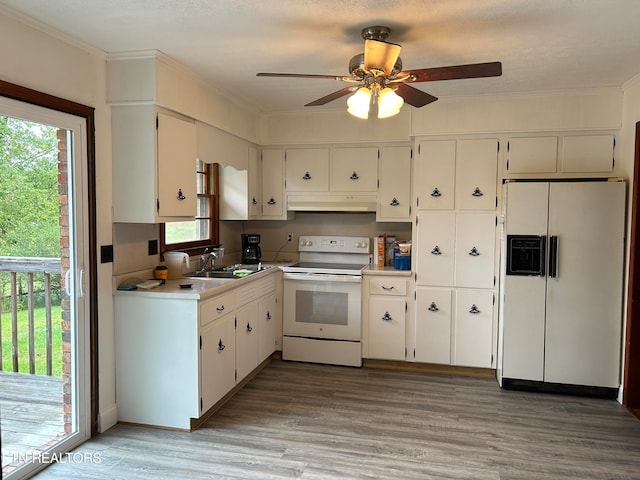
(322, 277)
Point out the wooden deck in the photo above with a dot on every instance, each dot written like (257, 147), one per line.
(31, 414)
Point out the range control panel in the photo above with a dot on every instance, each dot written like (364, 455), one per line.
(333, 244)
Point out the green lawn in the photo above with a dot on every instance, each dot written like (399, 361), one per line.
(40, 341)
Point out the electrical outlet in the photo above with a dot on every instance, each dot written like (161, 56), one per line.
(289, 237)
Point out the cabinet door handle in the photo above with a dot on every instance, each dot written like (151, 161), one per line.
(180, 194)
(221, 346)
(433, 307)
(477, 192)
(220, 309)
(436, 193)
(306, 176)
(474, 252)
(386, 317)
(394, 202)
(272, 201)
(474, 309)
(254, 201)
(354, 176)
(268, 315)
(387, 289)
(249, 327)
(436, 250)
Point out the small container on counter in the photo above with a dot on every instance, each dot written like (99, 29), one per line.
(402, 256)
(161, 272)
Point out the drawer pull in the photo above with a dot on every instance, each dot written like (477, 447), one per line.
(306, 176)
(477, 192)
(387, 289)
(436, 193)
(474, 309)
(249, 327)
(394, 202)
(436, 250)
(221, 346)
(181, 195)
(386, 317)
(433, 307)
(354, 176)
(220, 309)
(474, 252)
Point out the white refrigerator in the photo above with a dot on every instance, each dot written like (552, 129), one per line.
(561, 284)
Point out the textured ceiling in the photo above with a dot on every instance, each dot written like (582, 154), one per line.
(542, 44)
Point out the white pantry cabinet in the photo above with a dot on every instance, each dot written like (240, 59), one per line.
(454, 326)
(154, 165)
(387, 312)
(460, 174)
(394, 185)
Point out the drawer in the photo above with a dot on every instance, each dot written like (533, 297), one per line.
(215, 308)
(383, 285)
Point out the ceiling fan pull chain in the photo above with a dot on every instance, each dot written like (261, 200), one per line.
(354, 176)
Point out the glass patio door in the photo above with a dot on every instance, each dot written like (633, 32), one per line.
(44, 314)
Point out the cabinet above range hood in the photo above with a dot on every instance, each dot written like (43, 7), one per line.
(332, 203)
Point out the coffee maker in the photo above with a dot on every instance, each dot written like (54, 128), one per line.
(251, 252)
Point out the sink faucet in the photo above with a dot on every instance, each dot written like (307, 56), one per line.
(207, 259)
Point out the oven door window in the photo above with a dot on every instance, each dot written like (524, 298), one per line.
(322, 309)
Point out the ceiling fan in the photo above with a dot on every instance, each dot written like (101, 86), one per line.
(377, 77)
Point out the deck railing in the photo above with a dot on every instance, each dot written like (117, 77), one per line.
(35, 270)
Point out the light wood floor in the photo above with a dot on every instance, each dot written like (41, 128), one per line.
(307, 421)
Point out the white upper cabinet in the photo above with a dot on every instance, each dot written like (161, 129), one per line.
(476, 174)
(435, 248)
(154, 165)
(394, 185)
(587, 153)
(354, 169)
(273, 200)
(435, 175)
(532, 155)
(307, 170)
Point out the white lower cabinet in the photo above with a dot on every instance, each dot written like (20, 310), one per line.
(246, 340)
(217, 360)
(387, 312)
(267, 320)
(454, 326)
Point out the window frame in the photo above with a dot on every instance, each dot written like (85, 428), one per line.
(212, 189)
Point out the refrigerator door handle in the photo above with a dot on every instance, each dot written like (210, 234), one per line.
(553, 256)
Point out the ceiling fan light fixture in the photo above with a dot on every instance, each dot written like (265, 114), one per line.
(389, 103)
(358, 104)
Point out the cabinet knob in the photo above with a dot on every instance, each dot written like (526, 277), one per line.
(474, 252)
(354, 176)
(180, 194)
(268, 315)
(221, 346)
(474, 309)
(433, 307)
(477, 192)
(306, 176)
(220, 309)
(436, 250)
(272, 201)
(386, 317)
(394, 202)
(254, 201)
(436, 193)
(249, 327)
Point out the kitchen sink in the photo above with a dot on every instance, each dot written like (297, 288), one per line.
(212, 274)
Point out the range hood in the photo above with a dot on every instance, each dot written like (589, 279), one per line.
(331, 203)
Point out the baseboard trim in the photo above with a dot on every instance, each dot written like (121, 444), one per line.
(608, 393)
(430, 368)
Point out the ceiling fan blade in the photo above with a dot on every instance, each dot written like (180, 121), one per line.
(413, 96)
(333, 96)
(454, 72)
(306, 75)
(380, 55)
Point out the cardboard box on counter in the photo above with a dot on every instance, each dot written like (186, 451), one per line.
(380, 250)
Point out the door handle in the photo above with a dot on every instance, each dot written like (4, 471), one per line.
(553, 256)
